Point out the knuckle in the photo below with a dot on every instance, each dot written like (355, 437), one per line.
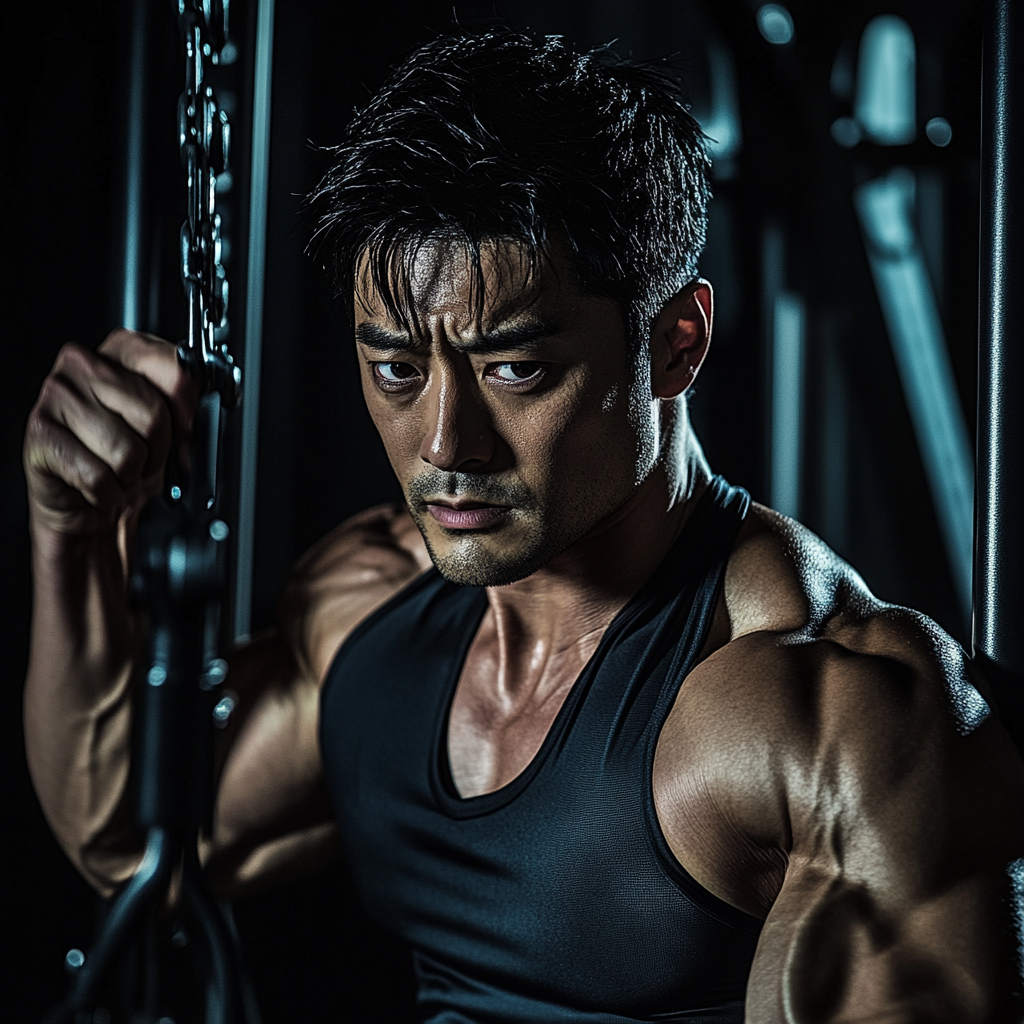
(91, 475)
(38, 430)
(127, 458)
(184, 385)
(96, 482)
(125, 350)
(72, 354)
(154, 417)
(53, 393)
(116, 340)
(151, 417)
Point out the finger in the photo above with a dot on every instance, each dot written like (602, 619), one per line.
(102, 432)
(157, 361)
(141, 406)
(59, 464)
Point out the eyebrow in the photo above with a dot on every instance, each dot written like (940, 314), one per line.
(525, 336)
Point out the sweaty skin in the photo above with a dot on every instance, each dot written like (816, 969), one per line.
(829, 766)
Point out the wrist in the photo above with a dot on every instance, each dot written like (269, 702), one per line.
(53, 543)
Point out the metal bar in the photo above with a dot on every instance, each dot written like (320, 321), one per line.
(254, 315)
(131, 263)
(773, 276)
(922, 359)
(787, 402)
(144, 891)
(834, 448)
(223, 997)
(999, 550)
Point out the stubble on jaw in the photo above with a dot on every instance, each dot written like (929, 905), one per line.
(471, 559)
(470, 563)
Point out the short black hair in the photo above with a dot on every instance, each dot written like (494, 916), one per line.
(497, 134)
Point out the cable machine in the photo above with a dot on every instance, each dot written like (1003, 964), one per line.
(180, 576)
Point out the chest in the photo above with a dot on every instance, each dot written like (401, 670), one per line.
(503, 709)
(504, 705)
(555, 881)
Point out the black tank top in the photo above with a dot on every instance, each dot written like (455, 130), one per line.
(555, 898)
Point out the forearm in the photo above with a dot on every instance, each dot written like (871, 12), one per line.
(77, 699)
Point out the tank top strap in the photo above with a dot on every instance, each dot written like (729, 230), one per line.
(695, 573)
(654, 641)
(714, 526)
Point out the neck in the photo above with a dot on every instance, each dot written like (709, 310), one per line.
(556, 617)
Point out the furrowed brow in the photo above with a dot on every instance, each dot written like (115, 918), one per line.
(381, 340)
(521, 337)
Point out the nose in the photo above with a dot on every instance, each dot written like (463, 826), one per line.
(457, 434)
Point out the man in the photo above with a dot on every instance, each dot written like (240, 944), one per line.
(601, 739)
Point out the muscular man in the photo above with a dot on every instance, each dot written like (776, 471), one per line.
(603, 740)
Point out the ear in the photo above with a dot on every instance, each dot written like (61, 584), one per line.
(679, 339)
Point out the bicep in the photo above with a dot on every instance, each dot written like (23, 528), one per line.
(897, 905)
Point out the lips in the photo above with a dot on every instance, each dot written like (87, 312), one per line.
(467, 517)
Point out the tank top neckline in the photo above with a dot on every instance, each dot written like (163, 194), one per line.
(441, 780)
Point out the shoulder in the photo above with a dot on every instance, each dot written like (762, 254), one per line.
(344, 577)
(811, 650)
(821, 708)
(805, 618)
(781, 577)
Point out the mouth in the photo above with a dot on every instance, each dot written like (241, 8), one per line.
(466, 515)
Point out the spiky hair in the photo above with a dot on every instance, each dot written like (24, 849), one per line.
(505, 135)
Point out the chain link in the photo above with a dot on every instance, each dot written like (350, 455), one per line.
(204, 141)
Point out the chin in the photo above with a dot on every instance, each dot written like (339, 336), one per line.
(481, 560)
(502, 556)
(471, 564)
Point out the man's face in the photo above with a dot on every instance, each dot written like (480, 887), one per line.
(514, 435)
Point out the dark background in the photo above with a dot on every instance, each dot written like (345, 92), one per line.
(313, 958)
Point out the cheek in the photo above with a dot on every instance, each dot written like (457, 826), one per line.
(395, 425)
(588, 443)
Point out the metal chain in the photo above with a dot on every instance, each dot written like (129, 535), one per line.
(204, 137)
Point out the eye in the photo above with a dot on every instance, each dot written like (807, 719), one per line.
(394, 373)
(516, 373)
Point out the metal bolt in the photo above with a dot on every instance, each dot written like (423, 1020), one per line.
(215, 674)
(222, 710)
(939, 132)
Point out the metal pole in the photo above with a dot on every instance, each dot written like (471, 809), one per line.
(999, 551)
(260, 181)
(133, 283)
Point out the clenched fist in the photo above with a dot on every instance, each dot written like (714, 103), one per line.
(99, 436)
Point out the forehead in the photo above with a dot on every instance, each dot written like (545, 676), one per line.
(442, 279)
